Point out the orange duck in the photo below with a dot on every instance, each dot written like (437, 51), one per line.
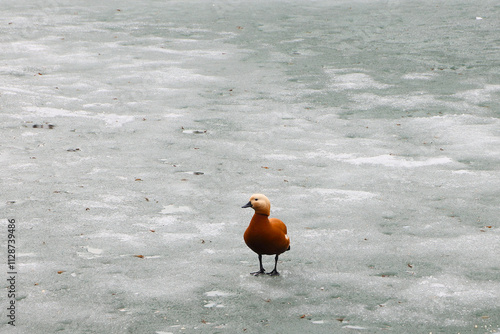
(264, 235)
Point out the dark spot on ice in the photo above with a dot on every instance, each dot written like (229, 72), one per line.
(41, 126)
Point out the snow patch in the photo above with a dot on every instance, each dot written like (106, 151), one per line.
(96, 251)
(111, 120)
(216, 293)
(344, 195)
(354, 327)
(170, 209)
(394, 161)
(280, 157)
(354, 81)
(419, 76)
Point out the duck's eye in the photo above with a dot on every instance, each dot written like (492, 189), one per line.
(256, 199)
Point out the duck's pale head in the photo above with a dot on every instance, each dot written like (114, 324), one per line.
(260, 203)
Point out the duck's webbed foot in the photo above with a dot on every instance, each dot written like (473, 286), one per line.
(274, 273)
(257, 273)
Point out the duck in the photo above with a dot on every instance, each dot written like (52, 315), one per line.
(264, 235)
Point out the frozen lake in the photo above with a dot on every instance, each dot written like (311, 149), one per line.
(132, 132)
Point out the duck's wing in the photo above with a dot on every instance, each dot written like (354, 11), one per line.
(276, 223)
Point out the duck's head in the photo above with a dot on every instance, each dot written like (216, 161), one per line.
(260, 203)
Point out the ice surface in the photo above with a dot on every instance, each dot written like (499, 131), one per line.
(134, 131)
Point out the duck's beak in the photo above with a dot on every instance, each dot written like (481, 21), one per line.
(248, 205)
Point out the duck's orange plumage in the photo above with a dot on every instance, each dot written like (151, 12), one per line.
(264, 235)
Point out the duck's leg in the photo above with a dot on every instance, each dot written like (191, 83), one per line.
(261, 271)
(275, 272)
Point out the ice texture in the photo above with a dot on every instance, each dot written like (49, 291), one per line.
(132, 132)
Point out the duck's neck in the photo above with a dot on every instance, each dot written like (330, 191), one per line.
(259, 218)
(266, 211)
